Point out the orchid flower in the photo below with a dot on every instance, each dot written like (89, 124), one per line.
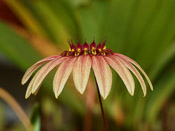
(79, 60)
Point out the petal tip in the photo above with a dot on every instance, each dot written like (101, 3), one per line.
(27, 96)
(33, 91)
(35, 88)
(151, 88)
(132, 93)
(56, 94)
(104, 97)
(81, 92)
(23, 81)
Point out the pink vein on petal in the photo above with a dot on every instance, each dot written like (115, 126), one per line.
(103, 75)
(123, 72)
(135, 72)
(62, 75)
(137, 65)
(30, 71)
(44, 71)
(81, 72)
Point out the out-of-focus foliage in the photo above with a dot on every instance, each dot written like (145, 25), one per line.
(35, 118)
(142, 29)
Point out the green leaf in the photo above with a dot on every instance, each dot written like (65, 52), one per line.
(139, 23)
(92, 20)
(158, 35)
(58, 29)
(64, 12)
(32, 7)
(24, 15)
(117, 23)
(162, 91)
(16, 48)
(35, 118)
(163, 61)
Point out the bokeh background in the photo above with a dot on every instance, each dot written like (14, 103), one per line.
(141, 29)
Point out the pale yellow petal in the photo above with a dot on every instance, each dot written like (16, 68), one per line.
(44, 71)
(81, 72)
(62, 75)
(103, 75)
(34, 67)
(138, 66)
(29, 88)
(123, 72)
(135, 72)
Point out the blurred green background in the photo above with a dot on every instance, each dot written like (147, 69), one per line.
(141, 29)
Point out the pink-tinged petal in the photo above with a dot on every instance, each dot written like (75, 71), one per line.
(35, 93)
(44, 71)
(138, 66)
(103, 75)
(34, 67)
(29, 88)
(81, 72)
(123, 72)
(62, 74)
(135, 72)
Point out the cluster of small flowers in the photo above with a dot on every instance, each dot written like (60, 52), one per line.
(79, 60)
(84, 49)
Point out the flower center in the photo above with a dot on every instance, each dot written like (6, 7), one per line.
(85, 49)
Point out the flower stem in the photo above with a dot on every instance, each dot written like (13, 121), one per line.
(101, 106)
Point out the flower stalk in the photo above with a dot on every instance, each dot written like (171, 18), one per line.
(101, 106)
